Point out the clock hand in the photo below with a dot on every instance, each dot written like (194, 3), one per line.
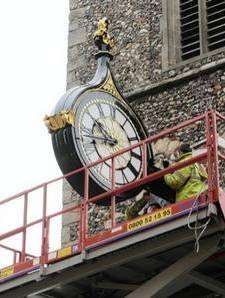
(100, 125)
(111, 141)
(104, 131)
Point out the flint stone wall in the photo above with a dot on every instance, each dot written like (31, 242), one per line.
(138, 29)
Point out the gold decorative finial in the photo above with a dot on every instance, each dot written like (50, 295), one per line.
(102, 37)
(59, 121)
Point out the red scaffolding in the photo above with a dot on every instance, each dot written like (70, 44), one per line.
(27, 262)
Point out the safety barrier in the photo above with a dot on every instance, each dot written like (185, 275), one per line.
(27, 261)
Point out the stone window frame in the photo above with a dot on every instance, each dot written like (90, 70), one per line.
(170, 27)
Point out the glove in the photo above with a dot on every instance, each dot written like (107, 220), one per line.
(165, 163)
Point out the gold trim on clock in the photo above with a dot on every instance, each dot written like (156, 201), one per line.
(109, 86)
(59, 121)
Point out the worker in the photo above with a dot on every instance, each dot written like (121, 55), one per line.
(189, 181)
(147, 204)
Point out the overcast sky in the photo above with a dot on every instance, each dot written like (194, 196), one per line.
(33, 56)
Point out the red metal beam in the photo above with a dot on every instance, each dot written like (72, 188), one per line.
(42, 185)
(221, 117)
(113, 199)
(84, 211)
(149, 178)
(16, 250)
(19, 229)
(23, 255)
(221, 156)
(45, 226)
(63, 211)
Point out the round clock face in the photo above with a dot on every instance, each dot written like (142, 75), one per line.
(105, 125)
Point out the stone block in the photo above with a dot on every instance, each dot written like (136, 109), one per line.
(69, 194)
(72, 216)
(75, 63)
(71, 76)
(77, 14)
(73, 4)
(75, 60)
(73, 53)
(65, 235)
(73, 26)
(69, 234)
(77, 36)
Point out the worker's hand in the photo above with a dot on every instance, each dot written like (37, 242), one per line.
(165, 163)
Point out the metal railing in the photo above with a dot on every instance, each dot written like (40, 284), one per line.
(210, 156)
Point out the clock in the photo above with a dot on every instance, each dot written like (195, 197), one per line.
(94, 121)
(104, 123)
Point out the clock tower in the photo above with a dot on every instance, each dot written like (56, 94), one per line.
(163, 78)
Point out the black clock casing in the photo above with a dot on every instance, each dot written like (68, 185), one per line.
(68, 141)
(93, 121)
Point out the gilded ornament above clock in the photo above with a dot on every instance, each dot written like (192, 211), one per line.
(101, 35)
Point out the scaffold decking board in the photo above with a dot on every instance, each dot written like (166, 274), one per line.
(116, 256)
(19, 269)
(141, 228)
(148, 221)
(63, 253)
(175, 217)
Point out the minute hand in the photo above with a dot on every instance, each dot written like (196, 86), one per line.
(101, 127)
(109, 140)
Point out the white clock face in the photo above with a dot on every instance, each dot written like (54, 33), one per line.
(104, 127)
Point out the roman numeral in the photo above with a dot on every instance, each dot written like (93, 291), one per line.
(87, 130)
(124, 177)
(133, 139)
(135, 155)
(100, 110)
(124, 122)
(99, 168)
(132, 169)
(89, 148)
(89, 114)
(113, 111)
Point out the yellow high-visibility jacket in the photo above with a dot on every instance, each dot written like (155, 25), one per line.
(188, 181)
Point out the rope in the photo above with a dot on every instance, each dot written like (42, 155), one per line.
(197, 227)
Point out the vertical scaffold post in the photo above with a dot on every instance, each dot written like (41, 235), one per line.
(144, 158)
(44, 245)
(14, 257)
(212, 156)
(23, 254)
(84, 211)
(113, 198)
(47, 231)
(215, 156)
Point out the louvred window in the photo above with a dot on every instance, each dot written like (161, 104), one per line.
(190, 36)
(216, 23)
(199, 15)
